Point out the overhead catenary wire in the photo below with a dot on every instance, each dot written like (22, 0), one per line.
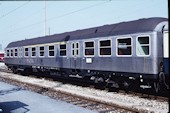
(56, 17)
(63, 15)
(4, 15)
(82, 9)
(26, 18)
(123, 15)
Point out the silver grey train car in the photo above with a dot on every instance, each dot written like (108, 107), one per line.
(127, 54)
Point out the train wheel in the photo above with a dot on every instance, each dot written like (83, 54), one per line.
(26, 72)
(14, 70)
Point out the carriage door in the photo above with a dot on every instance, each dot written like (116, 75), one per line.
(75, 55)
(166, 51)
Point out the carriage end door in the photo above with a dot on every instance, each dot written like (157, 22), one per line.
(75, 55)
(166, 52)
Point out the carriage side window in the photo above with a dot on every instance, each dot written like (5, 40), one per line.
(7, 53)
(124, 46)
(143, 46)
(12, 52)
(105, 47)
(33, 53)
(89, 48)
(63, 50)
(41, 51)
(16, 52)
(51, 51)
(26, 51)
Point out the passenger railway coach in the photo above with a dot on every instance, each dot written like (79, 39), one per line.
(126, 54)
(2, 55)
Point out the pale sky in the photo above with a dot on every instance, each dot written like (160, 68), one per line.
(26, 19)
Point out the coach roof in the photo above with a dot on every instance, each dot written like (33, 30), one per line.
(136, 26)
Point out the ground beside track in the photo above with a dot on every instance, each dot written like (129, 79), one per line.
(16, 100)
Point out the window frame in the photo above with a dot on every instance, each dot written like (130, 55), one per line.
(25, 51)
(84, 48)
(147, 44)
(15, 52)
(33, 51)
(106, 46)
(124, 37)
(63, 50)
(51, 50)
(8, 53)
(41, 51)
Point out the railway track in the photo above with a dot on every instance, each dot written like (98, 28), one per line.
(142, 94)
(92, 104)
(89, 103)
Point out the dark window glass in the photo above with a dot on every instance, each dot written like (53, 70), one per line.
(89, 51)
(16, 52)
(63, 53)
(125, 41)
(73, 52)
(51, 47)
(11, 52)
(89, 44)
(143, 40)
(105, 43)
(62, 46)
(63, 50)
(77, 52)
(105, 47)
(33, 51)
(77, 45)
(126, 51)
(26, 51)
(51, 53)
(51, 50)
(41, 51)
(105, 51)
(41, 48)
(7, 52)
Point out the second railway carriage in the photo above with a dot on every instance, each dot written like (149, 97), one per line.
(2, 55)
(123, 54)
